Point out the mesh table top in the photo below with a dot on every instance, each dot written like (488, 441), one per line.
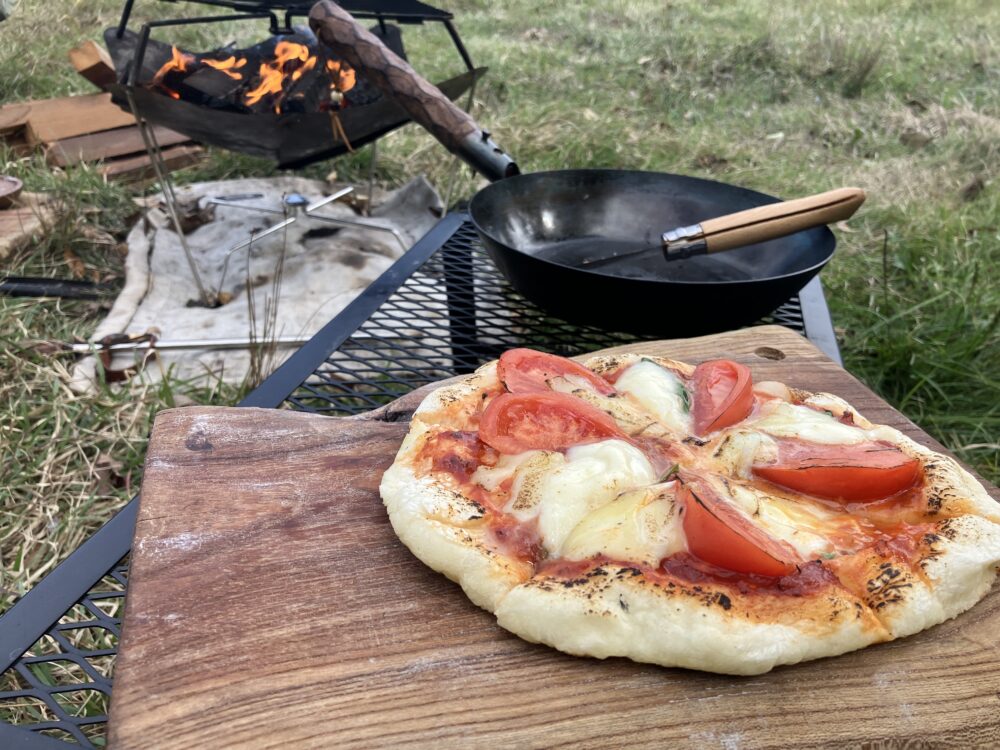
(454, 313)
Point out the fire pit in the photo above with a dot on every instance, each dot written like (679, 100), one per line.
(284, 98)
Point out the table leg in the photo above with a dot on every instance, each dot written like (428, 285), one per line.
(817, 321)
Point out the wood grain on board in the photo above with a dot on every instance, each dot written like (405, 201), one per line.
(270, 605)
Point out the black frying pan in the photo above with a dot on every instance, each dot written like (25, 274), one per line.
(540, 229)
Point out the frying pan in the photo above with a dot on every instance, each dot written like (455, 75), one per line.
(541, 228)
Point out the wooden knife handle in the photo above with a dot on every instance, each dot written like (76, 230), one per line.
(780, 219)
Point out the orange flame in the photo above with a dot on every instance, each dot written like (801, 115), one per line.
(272, 73)
(227, 66)
(178, 61)
(291, 61)
(310, 64)
(341, 74)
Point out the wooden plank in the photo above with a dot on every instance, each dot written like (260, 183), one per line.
(26, 220)
(134, 168)
(94, 63)
(13, 118)
(53, 120)
(108, 144)
(271, 605)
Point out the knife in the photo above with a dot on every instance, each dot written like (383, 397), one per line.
(746, 227)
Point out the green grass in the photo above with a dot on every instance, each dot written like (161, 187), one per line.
(899, 98)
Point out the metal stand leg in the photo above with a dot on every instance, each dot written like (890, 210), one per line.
(167, 190)
(817, 321)
(371, 179)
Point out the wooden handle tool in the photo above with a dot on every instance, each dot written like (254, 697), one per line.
(762, 223)
(747, 227)
(454, 128)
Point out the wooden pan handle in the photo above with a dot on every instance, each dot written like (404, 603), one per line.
(780, 219)
(424, 102)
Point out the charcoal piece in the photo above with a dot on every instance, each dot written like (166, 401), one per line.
(213, 83)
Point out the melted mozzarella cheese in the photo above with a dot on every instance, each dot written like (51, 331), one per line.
(629, 418)
(805, 527)
(740, 450)
(790, 421)
(659, 391)
(562, 494)
(528, 488)
(772, 389)
(641, 526)
(491, 477)
(570, 383)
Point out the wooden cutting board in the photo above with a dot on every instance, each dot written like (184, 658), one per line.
(270, 605)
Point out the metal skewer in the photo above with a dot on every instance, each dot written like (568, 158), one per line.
(299, 206)
(145, 344)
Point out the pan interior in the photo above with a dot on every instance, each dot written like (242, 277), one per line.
(568, 216)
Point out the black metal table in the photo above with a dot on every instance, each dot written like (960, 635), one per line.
(440, 310)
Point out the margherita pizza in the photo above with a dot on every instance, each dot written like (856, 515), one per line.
(685, 516)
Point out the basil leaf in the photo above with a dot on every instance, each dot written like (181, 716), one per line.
(672, 471)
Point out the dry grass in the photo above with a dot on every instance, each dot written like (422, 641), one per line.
(67, 462)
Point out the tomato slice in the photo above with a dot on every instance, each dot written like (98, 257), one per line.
(849, 473)
(723, 395)
(518, 422)
(718, 534)
(528, 371)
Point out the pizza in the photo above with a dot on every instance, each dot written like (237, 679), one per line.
(685, 516)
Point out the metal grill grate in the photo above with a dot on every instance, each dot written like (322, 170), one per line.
(452, 315)
(62, 686)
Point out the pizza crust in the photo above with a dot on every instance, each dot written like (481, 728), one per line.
(961, 565)
(444, 529)
(605, 363)
(618, 612)
(419, 511)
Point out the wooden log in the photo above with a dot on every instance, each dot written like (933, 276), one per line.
(16, 142)
(136, 168)
(108, 144)
(93, 62)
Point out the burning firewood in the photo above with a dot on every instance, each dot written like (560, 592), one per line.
(288, 74)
